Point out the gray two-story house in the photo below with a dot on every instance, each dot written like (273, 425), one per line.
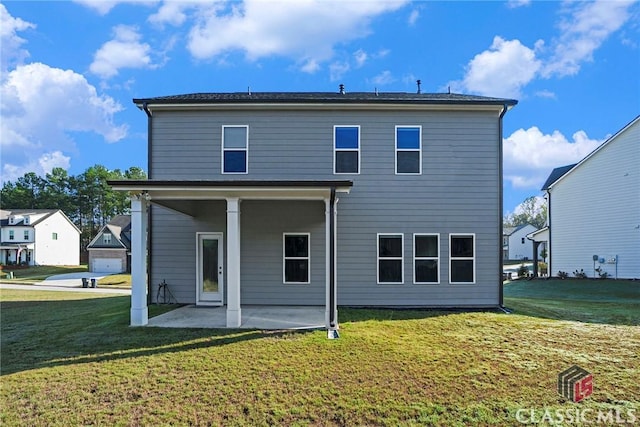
(319, 199)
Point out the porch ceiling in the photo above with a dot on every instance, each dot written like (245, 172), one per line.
(242, 189)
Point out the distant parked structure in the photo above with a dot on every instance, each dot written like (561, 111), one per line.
(110, 250)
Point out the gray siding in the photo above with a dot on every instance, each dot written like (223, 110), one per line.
(458, 192)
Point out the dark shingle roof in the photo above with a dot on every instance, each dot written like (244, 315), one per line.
(556, 174)
(325, 97)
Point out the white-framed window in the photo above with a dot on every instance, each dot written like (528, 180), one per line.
(26, 235)
(408, 150)
(390, 258)
(106, 238)
(296, 259)
(54, 236)
(11, 235)
(426, 258)
(26, 220)
(462, 258)
(346, 149)
(235, 149)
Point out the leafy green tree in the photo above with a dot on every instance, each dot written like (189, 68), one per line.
(532, 210)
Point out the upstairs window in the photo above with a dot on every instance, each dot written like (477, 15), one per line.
(346, 149)
(390, 259)
(11, 235)
(235, 148)
(408, 150)
(26, 235)
(106, 238)
(426, 258)
(295, 268)
(54, 236)
(26, 220)
(462, 268)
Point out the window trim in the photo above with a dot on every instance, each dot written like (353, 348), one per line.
(401, 258)
(357, 150)
(419, 149)
(452, 258)
(417, 258)
(246, 150)
(285, 258)
(104, 240)
(12, 235)
(26, 235)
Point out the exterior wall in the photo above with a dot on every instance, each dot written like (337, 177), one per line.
(519, 248)
(595, 210)
(456, 193)
(18, 234)
(65, 250)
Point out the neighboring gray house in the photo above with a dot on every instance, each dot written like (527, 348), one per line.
(110, 250)
(320, 199)
(594, 210)
(515, 245)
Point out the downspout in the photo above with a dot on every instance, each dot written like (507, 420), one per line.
(149, 214)
(505, 108)
(333, 321)
(549, 270)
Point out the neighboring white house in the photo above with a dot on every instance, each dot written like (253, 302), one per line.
(515, 244)
(38, 237)
(594, 210)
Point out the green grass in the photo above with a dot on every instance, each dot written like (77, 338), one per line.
(71, 359)
(593, 301)
(116, 281)
(39, 272)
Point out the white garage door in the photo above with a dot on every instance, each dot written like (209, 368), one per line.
(107, 265)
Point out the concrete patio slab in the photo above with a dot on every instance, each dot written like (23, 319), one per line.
(253, 317)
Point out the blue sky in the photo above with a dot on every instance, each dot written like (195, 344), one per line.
(70, 69)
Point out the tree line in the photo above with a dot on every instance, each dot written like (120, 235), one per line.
(86, 199)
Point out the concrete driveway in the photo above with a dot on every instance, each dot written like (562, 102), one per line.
(68, 282)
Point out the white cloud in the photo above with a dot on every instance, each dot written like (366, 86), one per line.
(40, 166)
(104, 6)
(124, 51)
(360, 56)
(586, 27)
(384, 78)
(337, 70)
(512, 4)
(502, 70)
(530, 155)
(41, 108)
(11, 52)
(545, 94)
(305, 30)
(413, 17)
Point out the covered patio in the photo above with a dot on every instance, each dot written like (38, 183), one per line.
(253, 317)
(182, 196)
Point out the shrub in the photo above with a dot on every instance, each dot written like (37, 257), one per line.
(580, 274)
(523, 271)
(543, 268)
(602, 274)
(563, 274)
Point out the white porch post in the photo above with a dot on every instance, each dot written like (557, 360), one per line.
(139, 311)
(234, 316)
(327, 239)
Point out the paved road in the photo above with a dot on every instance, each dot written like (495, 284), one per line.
(67, 282)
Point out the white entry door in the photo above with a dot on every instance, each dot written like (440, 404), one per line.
(209, 277)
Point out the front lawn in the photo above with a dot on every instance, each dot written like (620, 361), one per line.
(71, 359)
(38, 273)
(586, 300)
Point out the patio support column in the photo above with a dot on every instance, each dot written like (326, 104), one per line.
(139, 311)
(234, 316)
(327, 255)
